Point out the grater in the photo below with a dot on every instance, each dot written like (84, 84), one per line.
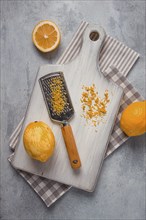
(60, 109)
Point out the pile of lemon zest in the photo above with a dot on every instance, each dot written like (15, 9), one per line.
(94, 108)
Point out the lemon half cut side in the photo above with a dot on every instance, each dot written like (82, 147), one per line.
(46, 36)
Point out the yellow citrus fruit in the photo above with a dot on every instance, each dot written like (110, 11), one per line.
(133, 119)
(46, 36)
(39, 141)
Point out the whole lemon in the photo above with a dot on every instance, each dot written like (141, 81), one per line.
(133, 119)
(39, 141)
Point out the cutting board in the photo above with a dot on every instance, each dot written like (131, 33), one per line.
(91, 142)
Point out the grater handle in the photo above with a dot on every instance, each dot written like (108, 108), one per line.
(71, 146)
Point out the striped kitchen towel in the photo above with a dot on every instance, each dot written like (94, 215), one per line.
(116, 60)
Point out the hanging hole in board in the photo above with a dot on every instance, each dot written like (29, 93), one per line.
(94, 36)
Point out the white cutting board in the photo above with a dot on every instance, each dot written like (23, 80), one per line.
(91, 144)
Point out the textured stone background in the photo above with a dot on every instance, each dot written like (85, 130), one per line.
(120, 192)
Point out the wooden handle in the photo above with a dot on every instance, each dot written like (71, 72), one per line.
(71, 146)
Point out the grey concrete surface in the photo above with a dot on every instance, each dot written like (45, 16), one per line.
(120, 192)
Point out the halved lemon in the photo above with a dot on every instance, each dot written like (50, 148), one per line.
(46, 36)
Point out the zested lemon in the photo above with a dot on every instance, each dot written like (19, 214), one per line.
(39, 141)
(46, 36)
(133, 119)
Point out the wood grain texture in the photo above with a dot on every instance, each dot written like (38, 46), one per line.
(71, 146)
(92, 145)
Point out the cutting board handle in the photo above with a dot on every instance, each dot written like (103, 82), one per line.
(71, 146)
(93, 38)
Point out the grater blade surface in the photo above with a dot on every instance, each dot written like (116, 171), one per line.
(56, 96)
